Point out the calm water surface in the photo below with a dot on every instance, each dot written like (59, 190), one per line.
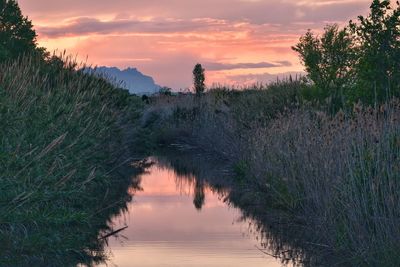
(178, 221)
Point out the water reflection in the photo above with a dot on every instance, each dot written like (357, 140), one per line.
(199, 195)
(186, 211)
(180, 220)
(279, 234)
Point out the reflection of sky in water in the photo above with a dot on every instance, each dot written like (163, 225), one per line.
(165, 229)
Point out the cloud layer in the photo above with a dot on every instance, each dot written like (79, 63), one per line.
(165, 39)
(213, 66)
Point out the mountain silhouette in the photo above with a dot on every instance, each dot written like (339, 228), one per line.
(130, 79)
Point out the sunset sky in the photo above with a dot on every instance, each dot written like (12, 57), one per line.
(237, 41)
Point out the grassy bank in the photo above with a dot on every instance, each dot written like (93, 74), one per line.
(335, 176)
(220, 119)
(63, 135)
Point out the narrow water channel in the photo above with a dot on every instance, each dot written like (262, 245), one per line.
(178, 220)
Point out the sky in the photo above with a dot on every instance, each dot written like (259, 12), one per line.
(237, 41)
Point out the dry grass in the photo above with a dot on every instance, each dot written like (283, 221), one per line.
(338, 176)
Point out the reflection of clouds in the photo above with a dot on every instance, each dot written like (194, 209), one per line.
(144, 206)
(196, 254)
(163, 185)
(167, 196)
(160, 182)
(165, 228)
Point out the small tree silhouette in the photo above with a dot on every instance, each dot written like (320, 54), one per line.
(198, 79)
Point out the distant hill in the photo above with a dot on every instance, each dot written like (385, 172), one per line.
(130, 79)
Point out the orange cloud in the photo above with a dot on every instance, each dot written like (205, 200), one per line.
(230, 37)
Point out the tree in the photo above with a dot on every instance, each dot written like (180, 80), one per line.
(16, 32)
(361, 62)
(198, 79)
(378, 48)
(165, 91)
(328, 61)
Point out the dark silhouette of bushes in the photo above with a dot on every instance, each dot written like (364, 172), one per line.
(16, 33)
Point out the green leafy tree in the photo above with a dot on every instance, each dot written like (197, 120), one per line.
(198, 79)
(360, 62)
(378, 48)
(328, 61)
(16, 32)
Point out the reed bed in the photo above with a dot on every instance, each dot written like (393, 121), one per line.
(62, 136)
(333, 176)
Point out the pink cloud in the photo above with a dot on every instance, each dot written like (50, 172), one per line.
(165, 40)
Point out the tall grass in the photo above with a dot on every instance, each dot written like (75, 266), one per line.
(62, 135)
(339, 175)
(333, 176)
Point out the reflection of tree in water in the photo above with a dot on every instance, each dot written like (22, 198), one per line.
(193, 171)
(280, 236)
(199, 196)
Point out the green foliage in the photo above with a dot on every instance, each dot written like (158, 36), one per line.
(165, 91)
(359, 62)
(378, 51)
(16, 32)
(241, 170)
(328, 62)
(198, 79)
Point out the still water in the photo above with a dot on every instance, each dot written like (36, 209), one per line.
(177, 220)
